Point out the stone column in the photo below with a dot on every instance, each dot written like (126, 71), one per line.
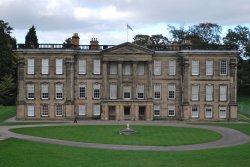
(134, 80)
(149, 80)
(233, 90)
(104, 81)
(119, 85)
(185, 89)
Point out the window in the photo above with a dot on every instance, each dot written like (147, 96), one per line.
(157, 67)
(195, 93)
(195, 112)
(30, 91)
(45, 110)
(140, 69)
(113, 91)
(209, 67)
(82, 66)
(59, 91)
(157, 110)
(223, 93)
(126, 92)
(171, 110)
(45, 91)
(208, 112)
(96, 91)
(31, 66)
(82, 91)
(82, 110)
(31, 110)
(113, 68)
(59, 110)
(171, 67)
(140, 91)
(97, 109)
(195, 67)
(171, 91)
(45, 66)
(209, 92)
(222, 112)
(126, 68)
(223, 67)
(157, 91)
(59, 66)
(97, 67)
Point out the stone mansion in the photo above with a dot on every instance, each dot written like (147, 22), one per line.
(126, 82)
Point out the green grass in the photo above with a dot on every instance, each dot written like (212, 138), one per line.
(147, 135)
(26, 123)
(19, 153)
(7, 112)
(244, 104)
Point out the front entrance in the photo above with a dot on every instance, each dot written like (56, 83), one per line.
(142, 112)
(112, 115)
(126, 113)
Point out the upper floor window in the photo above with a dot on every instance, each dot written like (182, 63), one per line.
(82, 91)
(171, 91)
(82, 66)
(127, 68)
(45, 66)
(140, 91)
(157, 91)
(96, 91)
(223, 93)
(59, 91)
(209, 92)
(209, 67)
(127, 92)
(31, 66)
(195, 112)
(140, 69)
(97, 109)
(82, 110)
(157, 110)
(45, 91)
(30, 91)
(172, 67)
(113, 91)
(195, 67)
(195, 92)
(113, 68)
(59, 66)
(157, 67)
(223, 67)
(31, 110)
(171, 110)
(97, 67)
(208, 112)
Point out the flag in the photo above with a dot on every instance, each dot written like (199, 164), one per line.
(128, 27)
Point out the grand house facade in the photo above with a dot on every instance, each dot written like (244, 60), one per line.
(126, 82)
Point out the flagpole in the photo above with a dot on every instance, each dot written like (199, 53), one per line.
(127, 32)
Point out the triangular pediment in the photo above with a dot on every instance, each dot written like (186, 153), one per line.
(128, 48)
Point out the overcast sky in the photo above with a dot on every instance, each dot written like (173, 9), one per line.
(56, 20)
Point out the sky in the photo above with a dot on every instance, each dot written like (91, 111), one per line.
(106, 20)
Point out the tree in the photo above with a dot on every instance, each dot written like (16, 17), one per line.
(154, 42)
(31, 40)
(8, 64)
(141, 40)
(178, 34)
(67, 43)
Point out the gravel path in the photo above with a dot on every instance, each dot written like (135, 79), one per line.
(230, 137)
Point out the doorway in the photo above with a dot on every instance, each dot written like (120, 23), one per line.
(126, 113)
(142, 112)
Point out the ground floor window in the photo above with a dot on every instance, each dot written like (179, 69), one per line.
(82, 109)
(59, 110)
(96, 109)
(171, 110)
(222, 112)
(45, 110)
(195, 112)
(157, 110)
(208, 112)
(31, 110)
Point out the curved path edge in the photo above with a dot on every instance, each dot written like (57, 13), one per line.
(230, 137)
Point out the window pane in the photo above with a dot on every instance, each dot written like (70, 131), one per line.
(126, 92)
(59, 91)
(140, 91)
(172, 67)
(195, 112)
(113, 91)
(31, 66)
(157, 67)
(157, 91)
(97, 67)
(82, 90)
(96, 109)
(223, 67)
(195, 67)
(59, 110)
(209, 67)
(82, 109)
(127, 68)
(140, 69)
(171, 110)
(96, 91)
(45, 91)
(30, 91)
(59, 66)
(45, 110)
(82, 66)
(113, 68)
(195, 92)
(45, 66)
(208, 112)
(157, 110)
(31, 110)
(209, 92)
(171, 91)
(223, 93)
(223, 112)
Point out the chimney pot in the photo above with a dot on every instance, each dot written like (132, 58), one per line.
(75, 39)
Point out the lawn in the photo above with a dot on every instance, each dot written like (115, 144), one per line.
(7, 112)
(21, 153)
(146, 135)
(244, 104)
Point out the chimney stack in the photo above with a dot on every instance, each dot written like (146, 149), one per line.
(75, 39)
(94, 44)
